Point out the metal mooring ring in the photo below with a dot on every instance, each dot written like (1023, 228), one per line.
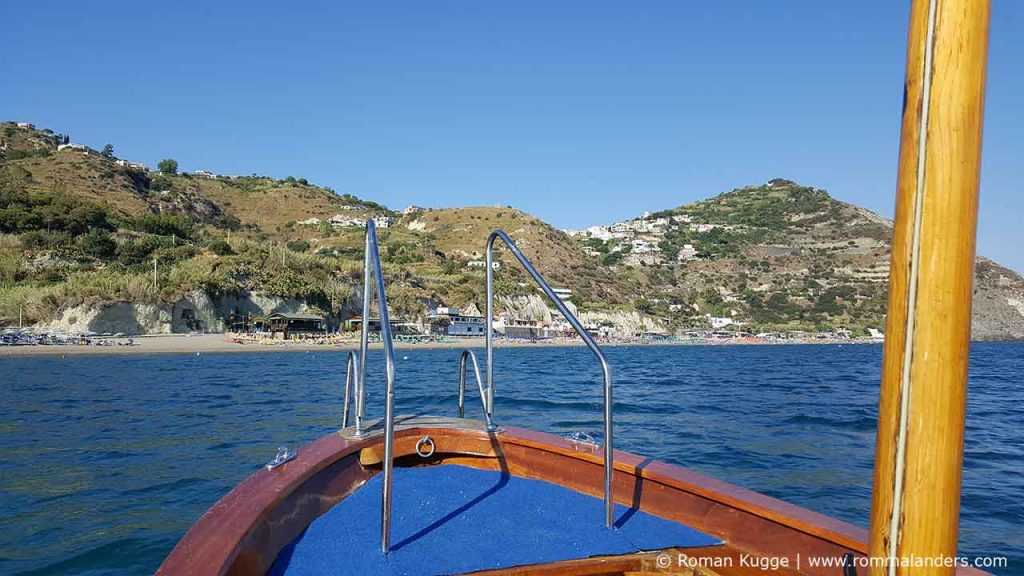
(426, 440)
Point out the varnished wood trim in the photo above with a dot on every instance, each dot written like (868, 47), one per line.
(244, 531)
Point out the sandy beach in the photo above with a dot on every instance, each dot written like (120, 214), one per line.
(219, 343)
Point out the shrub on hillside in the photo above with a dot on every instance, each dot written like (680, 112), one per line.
(97, 243)
(220, 248)
(163, 225)
(43, 239)
(298, 246)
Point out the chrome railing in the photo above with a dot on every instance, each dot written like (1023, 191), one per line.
(468, 355)
(356, 372)
(609, 505)
(352, 379)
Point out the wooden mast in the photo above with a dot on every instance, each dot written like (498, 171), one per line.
(919, 453)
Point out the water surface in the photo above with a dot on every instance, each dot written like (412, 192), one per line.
(108, 460)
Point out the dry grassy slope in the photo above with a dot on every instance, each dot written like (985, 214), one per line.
(89, 176)
(463, 233)
(265, 203)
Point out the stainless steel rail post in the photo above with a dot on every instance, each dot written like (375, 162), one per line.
(372, 262)
(609, 504)
(469, 355)
(351, 380)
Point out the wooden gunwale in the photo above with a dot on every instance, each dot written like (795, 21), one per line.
(244, 531)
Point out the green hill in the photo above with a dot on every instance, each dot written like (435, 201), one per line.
(80, 229)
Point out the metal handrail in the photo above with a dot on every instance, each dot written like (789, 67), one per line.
(609, 505)
(372, 262)
(469, 355)
(352, 378)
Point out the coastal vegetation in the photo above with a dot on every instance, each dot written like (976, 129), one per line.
(79, 227)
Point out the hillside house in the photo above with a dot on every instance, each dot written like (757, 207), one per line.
(482, 264)
(382, 221)
(644, 247)
(73, 146)
(131, 165)
(562, 293)
(413, 208)
(719, 322)
(26, 125)
(205, 174)
(620, 230)
(703, 227)
(342, 221)
(683, 218)
(687, 252)
(600, 232)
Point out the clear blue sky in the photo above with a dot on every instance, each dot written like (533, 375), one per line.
(577, 112)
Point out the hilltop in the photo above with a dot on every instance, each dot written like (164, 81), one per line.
(779, 256)
(83, 231)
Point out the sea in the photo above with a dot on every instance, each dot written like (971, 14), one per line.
(105, 461)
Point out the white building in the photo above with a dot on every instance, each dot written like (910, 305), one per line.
(562, 293)
(205, 174)
(483, 264)
(644, 247)
(309, 222)
(340, 221)
(620, 230)
(719, 322)
(703, 227)
(73, 146)
(600, 232)
(685, 218)
(413, 208)
(687, 252)
(26, 125)
(382, 221)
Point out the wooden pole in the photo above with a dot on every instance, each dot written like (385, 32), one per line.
(919, 453)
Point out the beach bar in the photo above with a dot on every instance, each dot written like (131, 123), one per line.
(288, 326)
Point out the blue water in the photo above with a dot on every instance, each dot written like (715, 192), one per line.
(106, 461)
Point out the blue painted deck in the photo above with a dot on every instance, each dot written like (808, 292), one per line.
(452, 519)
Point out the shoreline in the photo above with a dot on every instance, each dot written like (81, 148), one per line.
(218, 344)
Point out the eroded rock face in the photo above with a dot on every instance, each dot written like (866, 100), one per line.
(531, 307)
(195, 313)
(626, 323)
(536, 307)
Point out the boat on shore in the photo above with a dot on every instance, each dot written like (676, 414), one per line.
(429, 494)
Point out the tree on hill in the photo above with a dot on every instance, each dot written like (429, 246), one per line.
(168, 166)
(108, 150)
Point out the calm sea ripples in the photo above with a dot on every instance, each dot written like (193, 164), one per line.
(108, 460)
